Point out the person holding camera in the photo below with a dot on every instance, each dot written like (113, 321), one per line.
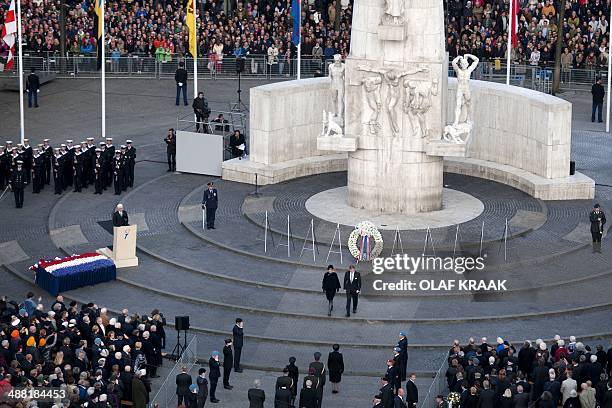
(598, 220)
(202, 111)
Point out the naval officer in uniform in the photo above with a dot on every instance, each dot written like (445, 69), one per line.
(209, 203)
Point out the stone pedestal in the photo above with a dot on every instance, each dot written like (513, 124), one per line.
(410, 183)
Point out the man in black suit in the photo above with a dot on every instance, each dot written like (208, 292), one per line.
(520, 399)
(209, 203)
(202, 383)
(598, 220)
(183, 381)
(393, 375)
(33, 87)
(180, 77)
(282, 398)
(120, 217)
(352, 286)
(228, 363)
(238, 335)
(256, 395)
(412, 392)
(487, 396)
(386, 395)
(215, 373)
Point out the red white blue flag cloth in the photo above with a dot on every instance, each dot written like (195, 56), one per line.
(73, 264)
(9, 33)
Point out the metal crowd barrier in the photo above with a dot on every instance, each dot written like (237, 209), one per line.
(438, 386)
(537, 77)
(166, 394)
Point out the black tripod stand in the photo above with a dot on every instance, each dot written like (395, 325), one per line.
(239, 106)
(179, 348)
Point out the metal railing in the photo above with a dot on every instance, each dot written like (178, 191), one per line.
(437, 387)
(135, 66)
(536, 77)
(166, 394)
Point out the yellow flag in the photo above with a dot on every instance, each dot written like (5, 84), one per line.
(190, 21)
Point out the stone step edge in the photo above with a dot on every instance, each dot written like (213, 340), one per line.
(585, 337)
(320, 268)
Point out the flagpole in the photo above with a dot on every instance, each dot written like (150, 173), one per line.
(103, 46)
(21, 73)
(510, 18)
(609, 78)
(195, 57)
(299, 46)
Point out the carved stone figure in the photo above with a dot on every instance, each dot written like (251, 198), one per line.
(372, 86)
(336, 74)
(418, 102)
(457, 133)
(330, 126)
(392, 78)
(463, 68)
(394, 12)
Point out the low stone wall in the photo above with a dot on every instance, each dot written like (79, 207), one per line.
(521, 138)
(518, 127)
(285, 120)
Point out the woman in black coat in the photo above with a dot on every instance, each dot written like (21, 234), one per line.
(331, 285)
(335, 365)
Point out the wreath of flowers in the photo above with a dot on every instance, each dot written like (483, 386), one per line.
(363, 229)
(454, 398)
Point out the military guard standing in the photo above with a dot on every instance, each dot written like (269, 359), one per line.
(78, 169)
(130, 155)
(91, 156)
(118, 169)
(38, 167)
(598, 220)
(209, 203)
(110, 157)
(4, 168)
(27, 158)
(124, 158)
(68, 164)
(15, 157)
(58, 163)
(86, 161)
(18, 183)
(98, 165)
(48, 156)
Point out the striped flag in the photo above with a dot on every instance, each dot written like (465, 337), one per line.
(514, 23)
(9, 33)
(296, 17)
(190, 21)
(98, 28)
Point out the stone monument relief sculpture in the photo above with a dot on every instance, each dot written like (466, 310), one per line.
(392, 78)
(418, 102)
(394, 12)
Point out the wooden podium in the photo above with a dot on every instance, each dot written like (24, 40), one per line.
(124, 247)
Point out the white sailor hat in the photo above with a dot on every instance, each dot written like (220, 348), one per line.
(129, 141)
(63, 145)
(90, 138)
(69, 141)
(46, 140)
(102, 144)
(123, 146)
(78, 146)
(98, 150)
(109, 138)
(117, 152)
(83, 142)
(9, 142)
(19, 161)
(26, 140)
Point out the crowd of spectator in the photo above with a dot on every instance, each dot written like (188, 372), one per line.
(156, 28)
(564, 372)
(480, 27)
(97, 359)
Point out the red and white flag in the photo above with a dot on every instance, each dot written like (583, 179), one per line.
(514, 23)
(9, 34)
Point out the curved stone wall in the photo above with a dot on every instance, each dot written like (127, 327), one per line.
(521, 138)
